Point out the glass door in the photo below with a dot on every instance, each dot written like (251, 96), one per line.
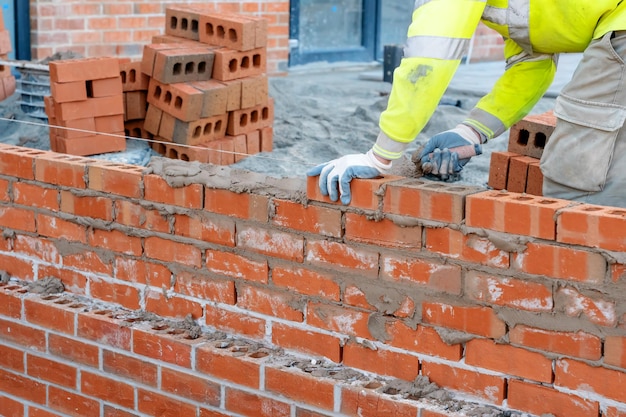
(332, 30)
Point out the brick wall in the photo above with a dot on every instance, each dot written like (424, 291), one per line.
(487, 45)
(512, 300)
(114, 28)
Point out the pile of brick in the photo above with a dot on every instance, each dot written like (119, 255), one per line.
(7, 80)
(517, 169)
(86, 108)
(208, 93)
(200, 91)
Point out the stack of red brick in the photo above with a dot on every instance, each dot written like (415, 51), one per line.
(517, 169)
(208, 92)
(86, 109)
(7, 80)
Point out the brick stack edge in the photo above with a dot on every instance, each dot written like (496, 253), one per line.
(517, 169)
(7, 80)
(199, 93)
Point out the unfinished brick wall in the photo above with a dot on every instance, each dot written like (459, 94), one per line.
(113, 28)
(513, 300)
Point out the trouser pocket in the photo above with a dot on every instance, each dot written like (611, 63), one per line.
(590, 113)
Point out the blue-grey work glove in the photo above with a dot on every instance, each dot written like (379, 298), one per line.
(335, 176)
(445, 154)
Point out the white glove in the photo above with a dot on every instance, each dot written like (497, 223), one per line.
(335, 176)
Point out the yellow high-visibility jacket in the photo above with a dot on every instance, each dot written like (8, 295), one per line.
(534, 32)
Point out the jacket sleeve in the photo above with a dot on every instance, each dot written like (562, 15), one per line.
(525, 80)
(438, 38)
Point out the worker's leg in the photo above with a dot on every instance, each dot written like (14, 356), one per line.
(585, 158)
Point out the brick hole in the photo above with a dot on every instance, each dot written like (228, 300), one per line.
(500, 195)
(176, 332)
(618, 212)
(592, 209)
(540, 140)
(132, 75)
(89, 88)
(434, 186)
(126, 132)
(12, 287)
(523, 136)
(265, 113)
(189, 337)
(76, 305)
(245, 62)
(416, 182)
(523, 198)
(190, 67)
(373, 385)
(256, 60)
(178, 102)
(232, 65)
(173, 22)
(157, 92)
(546, 202)
(194, 25)
(207, 129)
(22, 291)
(455, 189)
(159, 148)
(221, 32)
(3, 284)
(178, 68)
(208, 29)
(160, 327)
(123, 75)
(232, 35)
(218, 126)
(172, 153)
(2, 67)
(50, 297)
(131, 319)
(238, 349)
(391, 391)
(202, 66)
(168, 97)
(102, 312)
(243, 120)
(184, 157)
(137, 132)
(184, 24)
(62, 302)
(254, 116)
(258, 355)
(197, 131)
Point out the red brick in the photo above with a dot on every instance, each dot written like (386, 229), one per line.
(157, 189)
(124, 295)
(36, 196)
(233, 93)
(99, 327)
(307, 341)
(614, 412)
(181, 100)
(249, 404)
(507, 359)
(534, 182)
(172, 306)
(229, 364)
(132, 77)
(10, 302)
(15, 266)
(205, 288)
(299, 386)
(92, 145)
(129, 367)
(234, 322)
(271, 242)
(306, 282)
(87, 206)
(116, 241)
(592, 306)
(22, 387)
(82, 69)
(250, 119)
(507, 291)
(92, 107)
(489, 387)
(182, 22)
(269, 302)
(237, 32)
(430, 273)
(593, 226)
(24, 335)
(422, 339)
(518, 173)
(381, 361)
(240, 205)
(482, 321)
(149, 55)
(17, 218)
(164, 345)
(236, 266)
(515, 213)
(135, 105)
(11, 407)
(73, 350)
(207, 228)
(384, 232)
(120, 179)
(542, 400)
(499, 169)
(468, 247)
(190, 386)
(344, 320)
(183, 65)
(615, 351)
(561, 262)
(78, 128)
(253, 142)
(579, 344)
(12, 359)
(356, 401)
(107, 389)
(49, 314)
(195, 132)
(156, 404)
(19, 162)
(62, 170)
(110, 124)
(364, 192)
(170, 251)
(230, 64)
(342, 257)
(427, 200)
(70, 91)
(530, 135)
(215, 97)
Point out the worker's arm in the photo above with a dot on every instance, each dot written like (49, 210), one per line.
(526, 78)
(438, 38)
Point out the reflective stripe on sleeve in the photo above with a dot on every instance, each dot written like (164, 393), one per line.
(436, 47)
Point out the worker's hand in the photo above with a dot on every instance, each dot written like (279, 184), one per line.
(445, 154)
(335, 176)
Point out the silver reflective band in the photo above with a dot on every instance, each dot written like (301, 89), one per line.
(420, 3)
(436, 47)
(519, 16)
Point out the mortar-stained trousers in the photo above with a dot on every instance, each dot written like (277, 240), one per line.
(585, 157)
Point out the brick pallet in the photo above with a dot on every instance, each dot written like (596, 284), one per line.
(517, 169)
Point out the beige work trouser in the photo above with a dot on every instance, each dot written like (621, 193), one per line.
(585, 157)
